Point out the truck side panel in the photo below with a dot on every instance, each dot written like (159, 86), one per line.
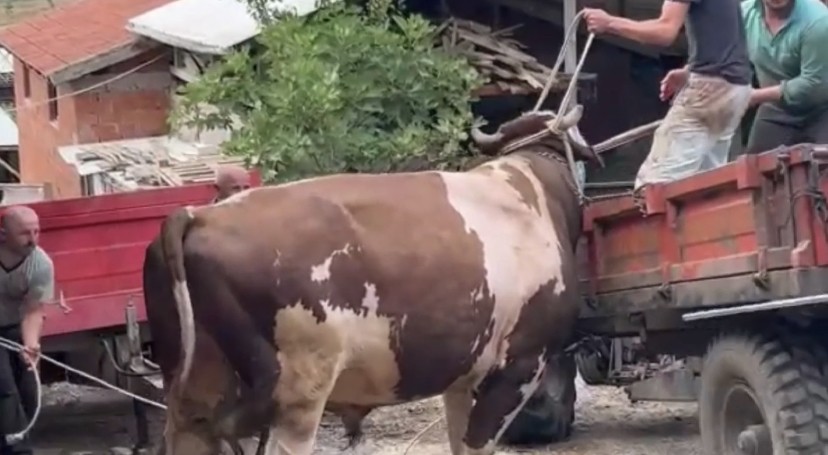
(755, 219)
(98, 244)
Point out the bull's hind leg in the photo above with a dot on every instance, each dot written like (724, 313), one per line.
(499, 399)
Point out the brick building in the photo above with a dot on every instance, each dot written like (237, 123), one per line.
(80, 47)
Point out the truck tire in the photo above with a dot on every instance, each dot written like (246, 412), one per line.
(548, 415)
(763, 395)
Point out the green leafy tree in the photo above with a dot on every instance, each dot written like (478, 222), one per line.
(346, 89)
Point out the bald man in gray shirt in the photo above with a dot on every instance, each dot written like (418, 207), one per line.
(710, 95)
(26, 284)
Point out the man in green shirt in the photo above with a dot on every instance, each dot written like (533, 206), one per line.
(26, 284)
(788, 46)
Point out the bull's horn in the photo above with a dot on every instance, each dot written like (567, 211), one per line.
(482, 139)
(572, 117)
(575, 136)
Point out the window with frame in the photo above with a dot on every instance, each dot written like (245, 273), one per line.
(51, 94)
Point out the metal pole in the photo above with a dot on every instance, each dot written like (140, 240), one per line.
(570, 8)
(571, 57)
(778, 304)
(135, 364)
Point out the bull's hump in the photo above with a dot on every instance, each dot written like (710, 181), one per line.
(521, 249)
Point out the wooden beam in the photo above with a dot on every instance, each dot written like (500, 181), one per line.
(101, 61)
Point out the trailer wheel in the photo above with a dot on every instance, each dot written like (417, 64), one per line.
(762, 396)
(548, 415)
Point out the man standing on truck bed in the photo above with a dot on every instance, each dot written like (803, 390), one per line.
(26, 283)
(711, 92)
(788, 45)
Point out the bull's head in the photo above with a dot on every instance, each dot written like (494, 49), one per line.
(536, 122)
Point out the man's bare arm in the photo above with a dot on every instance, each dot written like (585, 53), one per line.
(32, 324)
(661, 32)
(41, 291)
(766, 95)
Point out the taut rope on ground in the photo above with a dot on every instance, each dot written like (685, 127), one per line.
(18, 348)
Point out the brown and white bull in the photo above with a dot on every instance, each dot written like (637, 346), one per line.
(368, 290)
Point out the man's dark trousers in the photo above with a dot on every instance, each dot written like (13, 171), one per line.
(774, 127)
(18, 394)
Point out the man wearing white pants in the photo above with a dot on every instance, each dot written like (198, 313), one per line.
(710, 94)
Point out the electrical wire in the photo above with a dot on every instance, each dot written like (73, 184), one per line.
(87, 89)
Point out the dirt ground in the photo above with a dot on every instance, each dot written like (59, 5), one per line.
(81, 420)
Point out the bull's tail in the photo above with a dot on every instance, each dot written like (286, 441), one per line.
(172, 240)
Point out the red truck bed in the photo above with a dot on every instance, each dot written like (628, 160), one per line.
(97, 245)
(750, 231)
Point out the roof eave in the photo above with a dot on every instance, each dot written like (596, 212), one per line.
(183, 42)
(113, 56)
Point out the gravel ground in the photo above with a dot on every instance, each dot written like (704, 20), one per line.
(84, 420)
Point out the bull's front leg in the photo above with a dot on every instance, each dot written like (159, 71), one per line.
(304, 387)
(458, 405)
(500, 397)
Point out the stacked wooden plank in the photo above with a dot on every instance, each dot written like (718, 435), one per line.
(497, 56)
(129, 169)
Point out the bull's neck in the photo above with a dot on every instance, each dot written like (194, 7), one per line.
(559, 184)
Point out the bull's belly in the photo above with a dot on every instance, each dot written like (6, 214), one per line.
(366, 386)
(372, 373)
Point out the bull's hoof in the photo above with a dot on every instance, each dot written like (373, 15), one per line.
(354, 439)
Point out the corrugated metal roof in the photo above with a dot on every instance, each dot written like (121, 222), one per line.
(205, 26)
(6, 68)
(8, 130)
(146, 162)
(6, 61)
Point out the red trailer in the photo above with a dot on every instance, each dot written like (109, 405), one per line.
(716, 292)
(97, 245)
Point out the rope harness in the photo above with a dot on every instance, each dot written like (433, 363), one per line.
(553, 127)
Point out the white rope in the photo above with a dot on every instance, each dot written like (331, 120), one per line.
(14, 438)
(571, 89)
(420, 434)
(18, 348)
(553, 75)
